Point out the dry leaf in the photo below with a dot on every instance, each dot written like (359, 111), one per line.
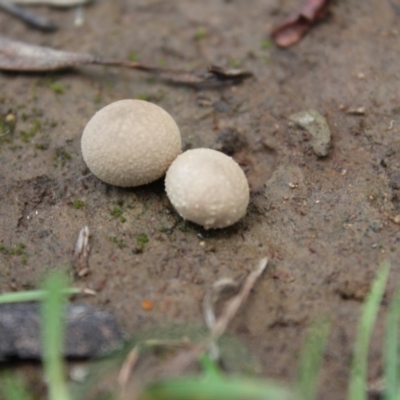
(52, 3)
(23, 57)
(19, 56)
(291, 30)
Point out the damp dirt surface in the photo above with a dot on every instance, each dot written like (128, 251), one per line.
(326, 224)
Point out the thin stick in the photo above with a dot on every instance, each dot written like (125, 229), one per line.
(233, 305)
(35, 20)
(185, 358)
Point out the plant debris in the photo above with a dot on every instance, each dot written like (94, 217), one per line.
(292, 30)
(217, 290)
(356, 111)
(32, 19)
(81, 253)
(52, 3)
(24, 57)
(191, 352)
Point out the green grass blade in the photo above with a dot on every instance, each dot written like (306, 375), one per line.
(233, 388)
(53, 336)
(358, 370)
(391, 349)
(32, 295)
(12, 388)
(310, 360)
(209, 367)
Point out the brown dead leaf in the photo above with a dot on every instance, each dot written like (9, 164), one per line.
(52, 3)
(23, 57)
(291, 31)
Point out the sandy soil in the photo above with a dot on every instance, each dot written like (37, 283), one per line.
(326, 224)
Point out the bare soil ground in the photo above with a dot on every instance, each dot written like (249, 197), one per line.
(326, 224)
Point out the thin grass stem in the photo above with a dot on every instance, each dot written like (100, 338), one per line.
(36, 295)
(311, 358)
(53, 316)
(358, 369)
(233, 388)
(12, 388)
(391, 349)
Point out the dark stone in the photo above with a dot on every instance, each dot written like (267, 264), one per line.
(89, 332)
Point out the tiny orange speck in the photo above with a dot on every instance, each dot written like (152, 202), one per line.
(147, 304)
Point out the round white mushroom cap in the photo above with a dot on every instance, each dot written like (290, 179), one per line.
(130, 143)
(207, 187)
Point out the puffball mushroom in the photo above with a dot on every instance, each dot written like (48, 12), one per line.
(207, 187)
(130, 143)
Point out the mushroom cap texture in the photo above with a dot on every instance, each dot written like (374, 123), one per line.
(207, 187)
(130, 143)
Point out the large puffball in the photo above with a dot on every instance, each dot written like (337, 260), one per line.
(130, 143)
(207, 187)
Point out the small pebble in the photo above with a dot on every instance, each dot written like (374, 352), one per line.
(396, 219)
(317, 126)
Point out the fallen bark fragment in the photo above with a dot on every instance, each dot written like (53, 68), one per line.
(30, 18)
(316, 125)
(22, 57)
(291, 31)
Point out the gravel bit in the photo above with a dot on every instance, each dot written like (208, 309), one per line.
(316, 125)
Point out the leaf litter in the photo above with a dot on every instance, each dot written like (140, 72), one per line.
(19, 56)
(295, 27)
(52, 3)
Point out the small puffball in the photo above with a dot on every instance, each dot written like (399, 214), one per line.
(207, 187)
(130, 143)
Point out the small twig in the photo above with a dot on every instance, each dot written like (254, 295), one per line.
(32, 19)
(133, 357)
(185, 358)
(210, 300)
(234, 304)
(127, 367)
(212, 297)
